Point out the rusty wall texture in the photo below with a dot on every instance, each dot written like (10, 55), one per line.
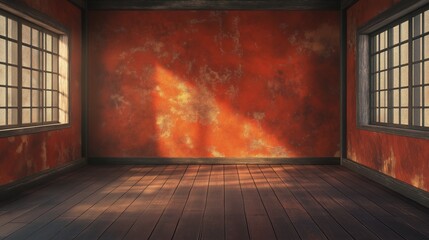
(25, 155)
(213, 83)
(403, 158)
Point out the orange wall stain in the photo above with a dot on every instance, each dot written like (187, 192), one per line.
(213, 83)
(25, 155)
(403, 158)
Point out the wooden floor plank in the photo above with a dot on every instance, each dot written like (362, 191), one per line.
(259, 223)
(64, 193)
(151, 184)
(28, 203)
(302, 221)
(400, 229)
(9, 216)
(103, 221)
(62, 196)
(51, 229)
(324, 220)
(189, 226)
(378, 191)
(212, 202)
(166, 225)
(146, 222)
(325, 195)
(10, 228)
(235, 216)
(137, 173)
(387, 217)
(31, 230)
(83, 221)
(214, 214)
(43, 192)
(359, 212)
(281, 222)
(401, 208)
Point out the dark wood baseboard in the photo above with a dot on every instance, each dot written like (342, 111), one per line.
(13, 189)
(212, 161)
(411, 192)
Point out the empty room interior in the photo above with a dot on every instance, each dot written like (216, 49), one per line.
(207, 119)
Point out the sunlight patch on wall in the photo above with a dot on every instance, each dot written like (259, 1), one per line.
(190, 121)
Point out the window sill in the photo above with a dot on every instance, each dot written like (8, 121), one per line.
(32, 129)
(396, 131)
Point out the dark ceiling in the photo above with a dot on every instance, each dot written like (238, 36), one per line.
(215, 4)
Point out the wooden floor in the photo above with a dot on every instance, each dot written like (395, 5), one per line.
(213, 202)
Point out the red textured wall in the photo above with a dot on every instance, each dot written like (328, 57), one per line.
(24, 155)
(401, 157)
(213, 83)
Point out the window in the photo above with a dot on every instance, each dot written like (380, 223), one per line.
(393, 70)
(33, 73)
(400, 73)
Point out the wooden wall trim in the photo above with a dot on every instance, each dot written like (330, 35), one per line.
(411, 192)
(84, 83)
(15, 188)
(345, 4)
(392, 14)
(212, 161)
(221, 5)
(79, 3)
(343, 83)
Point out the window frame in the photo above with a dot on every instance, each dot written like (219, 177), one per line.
(386, 20)
(45, 24)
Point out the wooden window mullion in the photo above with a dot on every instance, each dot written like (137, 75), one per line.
(410, 73)
(19, 73)
(390, 79)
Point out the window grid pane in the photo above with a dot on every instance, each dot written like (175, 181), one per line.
(29, 87)
(8, 72)
(399, 89)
